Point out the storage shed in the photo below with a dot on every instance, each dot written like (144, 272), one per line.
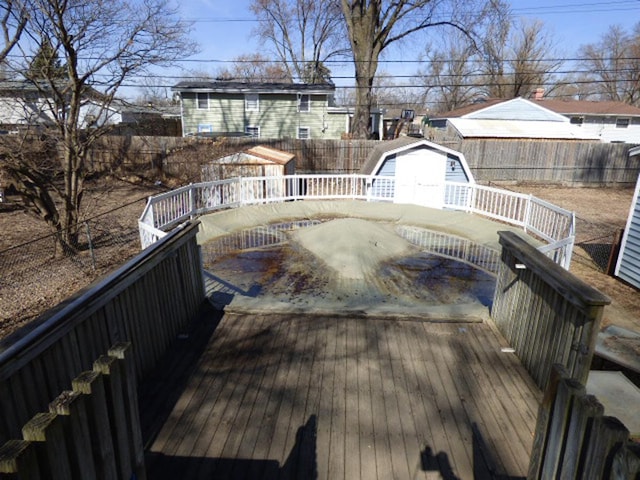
(628, 264)
(258, 161)
(419, 169)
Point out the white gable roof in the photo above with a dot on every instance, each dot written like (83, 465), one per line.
(485, 128)
(517, 109)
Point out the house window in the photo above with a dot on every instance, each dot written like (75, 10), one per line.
(622, 122)
(203, 101)
(304, 103)
(577, 120)
(252, 102)
(205, 128)
(304, 133)
(252, 131)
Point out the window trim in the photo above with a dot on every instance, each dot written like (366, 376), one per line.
(198, 94)
(626, 121)
(248, 99)
(308, 96)
(308, 129)
(256, 127)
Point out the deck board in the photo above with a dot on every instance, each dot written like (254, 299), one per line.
(277, 397)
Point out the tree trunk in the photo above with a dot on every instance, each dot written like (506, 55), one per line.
(366, 44)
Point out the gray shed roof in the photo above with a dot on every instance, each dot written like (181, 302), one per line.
(253, 87)
(386, 147)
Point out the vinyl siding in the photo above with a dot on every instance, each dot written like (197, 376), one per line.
(454, 173)
(278, 115)
(628, 267)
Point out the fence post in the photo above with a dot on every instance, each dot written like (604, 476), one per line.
(46, 429)
(19, 457)
(609, 436)
(543, 422)
(122, 351)
(71, 408)
(192, 200)
(527, 213)
(91, 384)
(91, 251)
(112, 371)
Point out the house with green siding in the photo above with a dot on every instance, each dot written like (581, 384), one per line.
(262, 110)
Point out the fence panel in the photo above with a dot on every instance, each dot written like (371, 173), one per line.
(547, 315)
(574, 440)
(91, 431)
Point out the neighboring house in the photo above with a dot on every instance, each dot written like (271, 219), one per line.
(418, 169)
(263, 110)
(543, 118)
(610, 121)
(517, 118)
(23, 104)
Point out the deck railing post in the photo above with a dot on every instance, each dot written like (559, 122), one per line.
(527, 213)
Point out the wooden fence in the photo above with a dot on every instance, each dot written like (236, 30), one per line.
(555, 162)
(91, 431)
(148, 301)
(574, 440)
(535, 161)
(546, 314)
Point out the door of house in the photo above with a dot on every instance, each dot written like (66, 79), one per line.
(420, 176)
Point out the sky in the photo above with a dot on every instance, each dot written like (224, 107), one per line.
(223, 29)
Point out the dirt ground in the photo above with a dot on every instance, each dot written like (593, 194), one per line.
(35, 277)
(600, 212)
(104, 195)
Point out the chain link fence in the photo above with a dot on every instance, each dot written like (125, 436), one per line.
(39, 274)
(595, 243)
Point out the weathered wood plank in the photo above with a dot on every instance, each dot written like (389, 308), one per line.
(356, 380)
(19, 460)
(46, 429)
(91, 384)
(72, 410)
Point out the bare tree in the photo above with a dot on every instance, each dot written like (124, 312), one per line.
(304, 34)
(449, 79)
(613, 65)
(254, 68)
(101, 44)
(13, 18)
(374, 25)
(516, 60)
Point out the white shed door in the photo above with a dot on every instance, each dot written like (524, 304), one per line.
(420, 176)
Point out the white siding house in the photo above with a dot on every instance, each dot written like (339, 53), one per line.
(542, 118)
(517, 118)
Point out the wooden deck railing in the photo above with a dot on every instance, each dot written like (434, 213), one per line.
(574, 440)
(91, 431)
(546, 314)
(148, 302)
(551, 224)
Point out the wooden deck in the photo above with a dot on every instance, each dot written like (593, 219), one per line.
(267, 397)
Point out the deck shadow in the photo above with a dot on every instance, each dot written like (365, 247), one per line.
(300, 464)
(484, 467)
(161, 389)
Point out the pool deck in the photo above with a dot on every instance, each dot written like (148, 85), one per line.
(294, 396)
